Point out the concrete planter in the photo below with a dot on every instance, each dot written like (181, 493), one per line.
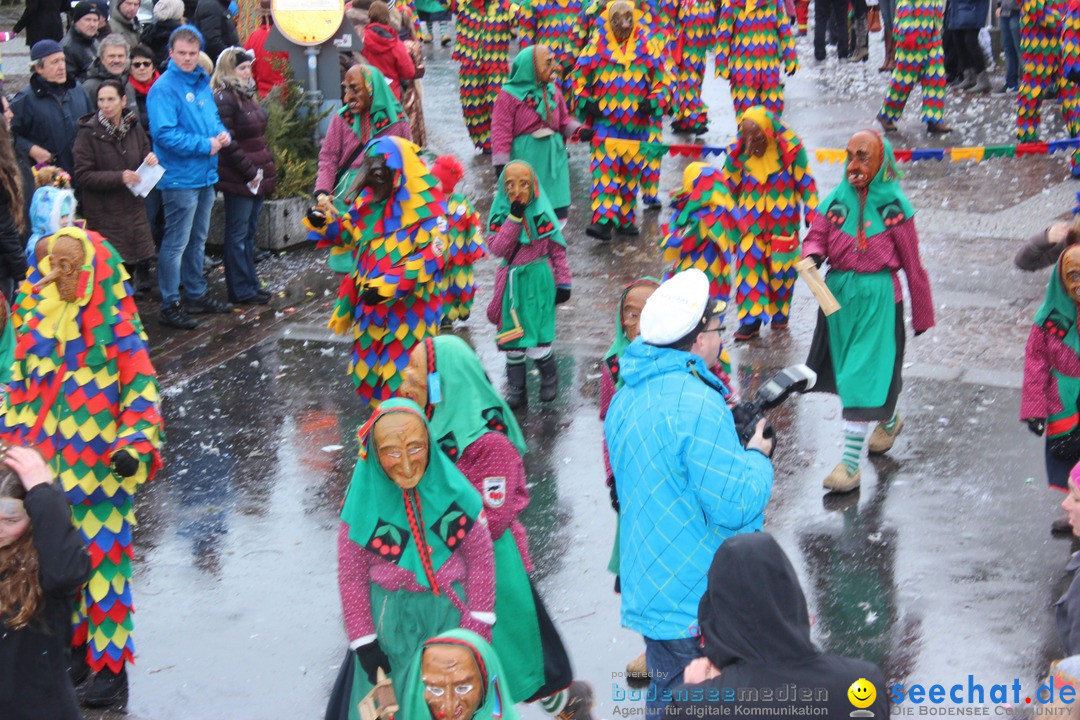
(279, 228)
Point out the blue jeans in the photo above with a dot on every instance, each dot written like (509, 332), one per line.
(180, 259)
(241, 218)
(666, 660)
(1010, 43)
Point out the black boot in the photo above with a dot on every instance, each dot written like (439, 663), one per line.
(516, 395)
(600, 231)
(106, 689)
(78, 669)
(549, 378)
(144, 283)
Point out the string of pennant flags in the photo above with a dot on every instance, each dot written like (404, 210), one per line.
(974, 153)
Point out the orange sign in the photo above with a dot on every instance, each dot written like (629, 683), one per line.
(308, 22)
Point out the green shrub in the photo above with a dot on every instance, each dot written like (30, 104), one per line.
(290, 135)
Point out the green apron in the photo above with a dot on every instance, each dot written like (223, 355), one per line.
(530, 292)
(516, 634)
(1064, 422)
(403, 621)
(547, 156)
(862, 336)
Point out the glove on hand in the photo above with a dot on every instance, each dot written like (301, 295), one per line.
(585, 134)
(517, 209)
(592, 109)
(371, 657)
(371, 296)
(124, 463)
(562, 295)
(1036, 425)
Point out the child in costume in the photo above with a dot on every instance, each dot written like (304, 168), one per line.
(52, 205)
(531, 280)
(917, 28)
(484, 29)
(551, 23)
(622, 88)
(695, 30)
(768, 174)
(395, 239)
(478, 431)
(867, 235)
(753, 41)
(531, 123)
(464, 246)
(43, 565)
(1049, 50)
(83, 391)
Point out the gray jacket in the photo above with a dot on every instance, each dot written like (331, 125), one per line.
(1067, 611)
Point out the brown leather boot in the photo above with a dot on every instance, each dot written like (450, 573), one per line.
(890, 55)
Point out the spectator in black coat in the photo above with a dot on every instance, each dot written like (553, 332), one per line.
(47, 110)
(25, 173)
(216, 25)
(42, 20)
(14, 212)
(80, 44)
(168, 15)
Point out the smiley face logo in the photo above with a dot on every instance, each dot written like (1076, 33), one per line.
(862, 694)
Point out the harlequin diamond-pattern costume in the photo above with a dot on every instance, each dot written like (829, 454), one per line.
(551, 23)
(629, 86)
(771, 193)
(399, 246)
(695, 29)
(82, 389)
(1049, 49)
(753, 39)
(919, 59)
(482, 47)
(465, 245)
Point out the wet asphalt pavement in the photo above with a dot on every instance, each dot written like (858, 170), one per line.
(941, 566)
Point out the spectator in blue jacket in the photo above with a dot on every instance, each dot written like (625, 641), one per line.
(47, 111)
(187, 135)
(684, 481)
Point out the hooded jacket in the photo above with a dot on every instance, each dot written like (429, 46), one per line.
(183, 118)
(130, 29)
(383, 50)
(79, 53)
(756, 631)
(685, 484)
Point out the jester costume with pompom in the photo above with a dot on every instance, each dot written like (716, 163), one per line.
(82, 389)
(465, 246)
(620, 78)
(771, 192)
(399, 245)
(482, 47)
(695, 37)
(753, 40)
(917, 31)
(551, 23)
(1049, 52)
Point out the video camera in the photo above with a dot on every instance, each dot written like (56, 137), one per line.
(793, 379)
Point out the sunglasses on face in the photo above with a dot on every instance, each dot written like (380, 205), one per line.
(142, 64)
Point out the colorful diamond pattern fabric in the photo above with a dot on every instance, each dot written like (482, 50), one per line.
(465, 245)
(753, 43)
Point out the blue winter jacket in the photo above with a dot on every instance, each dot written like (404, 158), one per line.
(183, 118)
(684, 481)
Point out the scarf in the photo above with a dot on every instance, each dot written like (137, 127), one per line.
(762, 167)
(118, 132)
(385, 520)
(143, 88)
(539, 222)
(462, 404)
(614, 353)
(385, 109)
(864, 214)
(523, 84)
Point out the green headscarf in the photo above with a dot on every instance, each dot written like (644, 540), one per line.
(375, 507)
(462, 404)
(385, 109)
(1059, 310)
(885, 207)
(524, 85)
(614, 353)
(540, 220)
(496, 703)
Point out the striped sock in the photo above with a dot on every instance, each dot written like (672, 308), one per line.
(854, 439)
(553, 704)
(891, 425)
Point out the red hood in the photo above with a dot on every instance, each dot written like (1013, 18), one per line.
(379, 37)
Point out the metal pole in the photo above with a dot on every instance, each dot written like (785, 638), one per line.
(314, 95)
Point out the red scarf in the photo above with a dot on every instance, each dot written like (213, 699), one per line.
(141, 88)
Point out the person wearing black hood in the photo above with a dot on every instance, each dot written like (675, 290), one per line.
(758, 654)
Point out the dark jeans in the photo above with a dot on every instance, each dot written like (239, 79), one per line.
(156, 216)
(241, 219)
(969, 52)
(823, 10)
(666, 660)
(951, 55)
(1010, 43)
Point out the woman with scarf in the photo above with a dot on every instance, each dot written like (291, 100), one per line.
(110, 147)
(755, 632)
(531, 280)
(370, 111)
(1049, 397)
(768, 174)
(475, 428)
(867, 235)
(414, 554)
(530, 122)
(246, 171)
(392, 243)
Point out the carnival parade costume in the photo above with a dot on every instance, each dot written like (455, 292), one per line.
(464, 243)
(623, 89)
(753, 40)
(867, 237)
(1049, 50)
(917, 32)
(482, 48)
(84, 393)
(390, 299)
(551, 23)
(695, 37)
(772, 193)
